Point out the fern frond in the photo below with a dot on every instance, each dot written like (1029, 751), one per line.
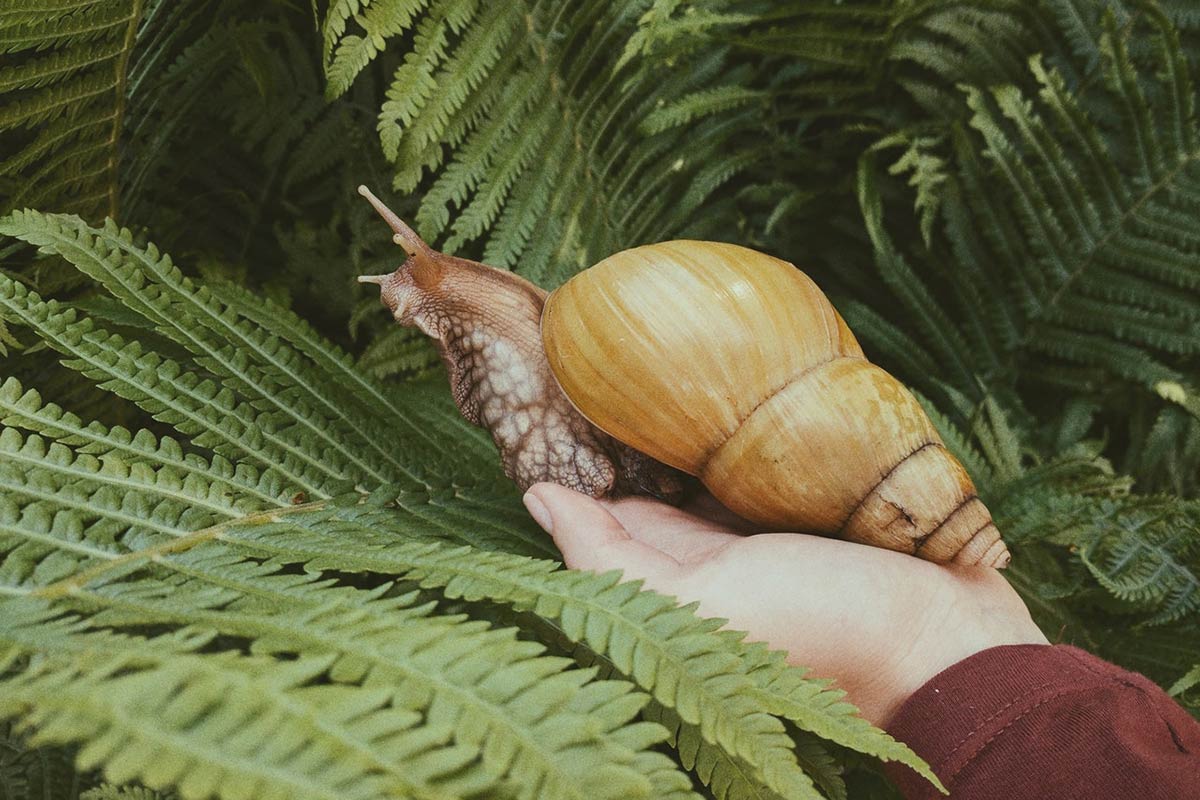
(26, 409)
(27, 772)
(643, 635)
(143, 706)
(62, 509)
(336, 19)
(131, 481)
(700, 104)
(292, 405)
(1145, 551)
(498, 107)
(927, 174)
(69, 79)
(725, 775)
(1186, 682)
(151, 285)
(413, 83)
(496, 697)
(941, 334)
(1073, 256)
(380, 21)
(1140, 549)
(936, 47)
(95, 21)
(821, 764)
(196, 407)
(1165, 450)
(1110, 237)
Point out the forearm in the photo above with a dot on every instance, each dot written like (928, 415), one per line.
(1034, 721)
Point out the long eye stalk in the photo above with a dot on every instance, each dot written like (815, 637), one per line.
(423, 257)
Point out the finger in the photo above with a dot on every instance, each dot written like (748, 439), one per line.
(679, 534)
(591, 538)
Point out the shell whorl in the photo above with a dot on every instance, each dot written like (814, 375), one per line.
(732, 365)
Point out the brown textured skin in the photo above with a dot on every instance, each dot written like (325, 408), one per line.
(486, 325)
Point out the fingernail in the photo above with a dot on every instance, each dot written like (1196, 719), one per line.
(537, 509)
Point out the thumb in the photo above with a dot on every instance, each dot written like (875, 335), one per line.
(591, 538)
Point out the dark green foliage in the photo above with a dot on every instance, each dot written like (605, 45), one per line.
(234, 498)
(1082, 223)
(64, 87)
(28, 773)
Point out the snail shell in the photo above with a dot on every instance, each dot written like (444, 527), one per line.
(714, 359)
(733, 366)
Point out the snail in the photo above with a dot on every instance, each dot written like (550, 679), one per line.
(689, 358)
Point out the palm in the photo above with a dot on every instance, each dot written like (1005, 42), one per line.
(879, 622)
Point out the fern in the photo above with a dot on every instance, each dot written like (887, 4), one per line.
(1152, 562)
(1083, 226)
(36, 772)
(438, 661)
(64, 99)
(193, 319)
(1085, 540)
(1187, 682)
(440, 667)
(488, 93)
(102, 684)
(215, 514)
(642, 635)
(198, 408)
(25, 409)
(104, 532)
(644, 639)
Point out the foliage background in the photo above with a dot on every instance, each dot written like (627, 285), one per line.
(1000, 195)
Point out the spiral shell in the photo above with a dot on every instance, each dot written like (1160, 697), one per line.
(733, 366)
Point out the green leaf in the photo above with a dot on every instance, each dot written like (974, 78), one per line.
(67, 82)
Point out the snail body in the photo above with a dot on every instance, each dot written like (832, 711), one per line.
(711, 359)
(485, 322)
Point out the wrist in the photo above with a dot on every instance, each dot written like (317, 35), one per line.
(976, 610)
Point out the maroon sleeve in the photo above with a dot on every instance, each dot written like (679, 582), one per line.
(1047, 721)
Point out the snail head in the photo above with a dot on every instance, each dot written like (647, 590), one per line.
(437, 292)
(420, 274)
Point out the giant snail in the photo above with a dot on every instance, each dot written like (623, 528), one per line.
(711, 359)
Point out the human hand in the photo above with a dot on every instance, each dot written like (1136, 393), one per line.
(881, 623)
